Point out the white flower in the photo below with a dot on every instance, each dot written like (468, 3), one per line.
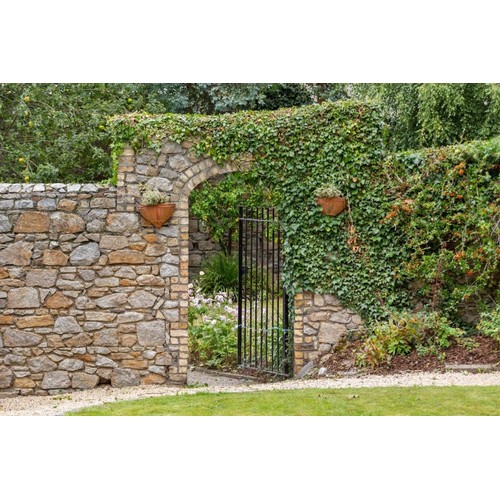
(202, 273)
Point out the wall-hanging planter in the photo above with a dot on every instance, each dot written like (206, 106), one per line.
(332, 206)
(157, 214)
(330, 198)
(155, 208)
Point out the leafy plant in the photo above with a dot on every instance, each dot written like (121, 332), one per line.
(327, 191)
(152, 197)
(490, 323)
(425, 332)
(219, 273)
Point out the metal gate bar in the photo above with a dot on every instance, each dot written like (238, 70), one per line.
(263, 322)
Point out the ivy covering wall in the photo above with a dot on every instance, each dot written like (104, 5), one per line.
(385, 251)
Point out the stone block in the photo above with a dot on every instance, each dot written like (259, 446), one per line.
(109, 242)
(6, 378)
(82, 380)
(54, 258)
(71, 365)
(66, 223)
(123, 223)
(113, 300)
(32, 222)
(5, 224)
(58, 301)
(330, 333)
(44, 278)
(126, 257)
(23, 298)
(151, 333)
(85, 255)
(41, 364)
(35, 321)
(67, 324)
(16, 254)
(56, 380)
(122, 377)
(142, 299)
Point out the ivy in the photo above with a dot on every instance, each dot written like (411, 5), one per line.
(384, 252)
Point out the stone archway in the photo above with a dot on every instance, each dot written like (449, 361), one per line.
(176, 170)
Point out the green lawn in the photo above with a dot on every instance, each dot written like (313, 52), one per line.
(374, 401)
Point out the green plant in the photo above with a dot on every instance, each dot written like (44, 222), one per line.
(327, 191)
(426, 332)
(219, 273)
(490, 323)
(152, 197)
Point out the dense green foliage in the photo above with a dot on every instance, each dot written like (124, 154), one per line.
(401, 238)
(445, 206)
(57, 132)
(216, 205)
(354, 402)
(490, 323)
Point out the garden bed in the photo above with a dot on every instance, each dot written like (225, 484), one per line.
(485, 351)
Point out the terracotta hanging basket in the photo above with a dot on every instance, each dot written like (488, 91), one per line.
(157, 214)
(332, 206)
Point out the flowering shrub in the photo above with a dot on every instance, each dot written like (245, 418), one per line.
(213, 337)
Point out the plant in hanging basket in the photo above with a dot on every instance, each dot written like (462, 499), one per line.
(330, 199)
(154, 207)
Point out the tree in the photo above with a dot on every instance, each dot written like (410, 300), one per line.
(435, 114)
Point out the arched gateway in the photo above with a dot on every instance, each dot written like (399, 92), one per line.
(91, 293)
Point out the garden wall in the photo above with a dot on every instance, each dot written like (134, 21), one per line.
(85, 291)
(90, 293)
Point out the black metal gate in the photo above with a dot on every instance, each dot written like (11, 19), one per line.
(263, 316)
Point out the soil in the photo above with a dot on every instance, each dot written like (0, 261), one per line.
(485, 350)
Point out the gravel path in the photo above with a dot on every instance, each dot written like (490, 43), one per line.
(58, 405)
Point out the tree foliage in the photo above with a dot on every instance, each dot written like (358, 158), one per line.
(435, 114)
(57, 132)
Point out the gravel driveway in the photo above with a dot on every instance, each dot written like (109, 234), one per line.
(58, 405)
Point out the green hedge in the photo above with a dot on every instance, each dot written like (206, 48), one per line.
(367, 256)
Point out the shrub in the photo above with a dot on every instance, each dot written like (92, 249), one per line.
(490, 323)
(427, 332)
(219, 274)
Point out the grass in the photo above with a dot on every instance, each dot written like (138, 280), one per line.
(343, 402)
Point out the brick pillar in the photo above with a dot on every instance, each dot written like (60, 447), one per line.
(305, 345)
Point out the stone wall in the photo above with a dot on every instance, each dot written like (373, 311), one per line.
(320, 322)
(84, 292)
